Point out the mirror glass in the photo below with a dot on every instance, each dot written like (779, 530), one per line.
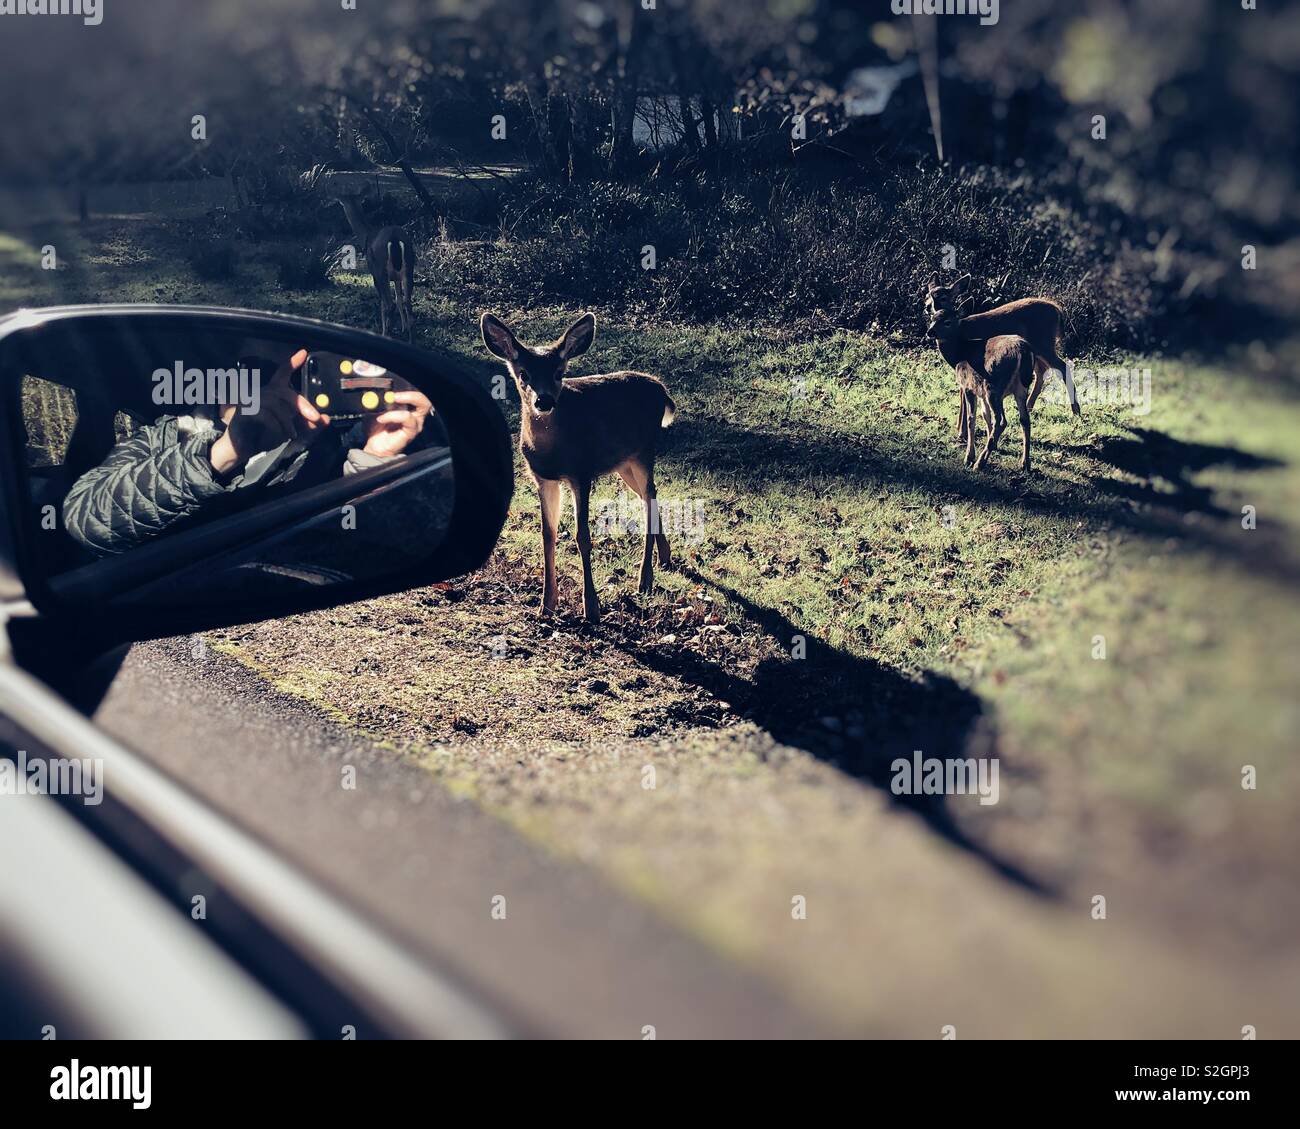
(196, 465)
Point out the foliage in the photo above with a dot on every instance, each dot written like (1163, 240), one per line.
(794, 250)
(304, 266)
(212, 259)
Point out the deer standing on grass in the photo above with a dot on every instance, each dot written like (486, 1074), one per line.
(988, 372)
(1037, 320)
(573, 430)
(390, 255)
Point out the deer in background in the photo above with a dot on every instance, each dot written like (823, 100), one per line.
(1037, 320)
(573, 430)
(390, 255)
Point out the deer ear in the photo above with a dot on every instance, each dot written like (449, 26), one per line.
(578, 337)
(497, 337)
(964, 281)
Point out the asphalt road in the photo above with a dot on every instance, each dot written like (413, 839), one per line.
(571, 957)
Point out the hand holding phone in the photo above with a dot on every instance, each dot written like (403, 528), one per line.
(348, 389)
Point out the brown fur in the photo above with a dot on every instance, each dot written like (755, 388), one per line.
(1037, 320)
(390, 255)
(988, 372)
(573, 430)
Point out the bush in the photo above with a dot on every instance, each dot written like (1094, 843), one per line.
(212, 259)
(303, 266)
(787, 248)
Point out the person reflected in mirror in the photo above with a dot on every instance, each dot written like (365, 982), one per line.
(179, 467)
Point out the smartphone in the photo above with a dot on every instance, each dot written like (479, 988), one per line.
(347, 388)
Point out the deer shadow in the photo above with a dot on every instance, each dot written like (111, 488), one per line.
(728, 451)
(848, 711)
(1155, 456)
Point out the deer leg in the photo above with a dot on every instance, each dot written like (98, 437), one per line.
(1022, 406)
(1041, 369)
(990, 420)
(640, 478)
(633, 473)
(385, 298)
(581, 507)
(394, 307)
(1067, 374)
(399, 292)
(398, 307)
(1000, 415)
(548, 493)
(408, 289)
(661, 538)
(962, 418)
(968, 409)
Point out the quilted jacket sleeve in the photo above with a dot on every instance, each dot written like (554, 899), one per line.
(153, 479)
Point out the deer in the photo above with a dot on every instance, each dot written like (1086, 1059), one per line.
(1037, 320)
(390, 255)
(988, 372)
(575, 429)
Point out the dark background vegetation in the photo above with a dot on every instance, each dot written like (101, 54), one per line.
(1139, 235)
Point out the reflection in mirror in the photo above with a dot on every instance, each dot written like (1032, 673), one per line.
(196, 469)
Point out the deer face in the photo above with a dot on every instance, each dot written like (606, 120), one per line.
(943, 305)
(539, 372)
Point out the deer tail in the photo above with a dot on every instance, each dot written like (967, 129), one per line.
(670, 410)
(1060, 325)
(1027, 368)
(395, 255)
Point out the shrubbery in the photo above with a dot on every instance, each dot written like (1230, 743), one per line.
(786, 248)
(304, 266)
(212, 259)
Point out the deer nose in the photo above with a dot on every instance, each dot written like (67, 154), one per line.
(545, 403)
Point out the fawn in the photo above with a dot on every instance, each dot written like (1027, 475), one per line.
(576, 428)
(390, 255)
(987, 372)
(1037, 320)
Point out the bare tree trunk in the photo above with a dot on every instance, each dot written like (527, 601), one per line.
(690, 133)
(559, 127)
(686, 85)
(926, 36)
(728, 126)
(580, 141)
(626, 83)
(710, 114)
(623, 117)
(539, 104)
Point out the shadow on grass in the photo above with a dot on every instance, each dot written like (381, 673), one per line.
(800, 456)
(851, 712)
(859, 715)
(1154, 456)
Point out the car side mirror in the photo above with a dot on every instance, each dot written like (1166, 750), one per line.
(170, 469)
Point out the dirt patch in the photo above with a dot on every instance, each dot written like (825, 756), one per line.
(470, 659)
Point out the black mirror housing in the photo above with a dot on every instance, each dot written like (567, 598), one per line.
(93, 338)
